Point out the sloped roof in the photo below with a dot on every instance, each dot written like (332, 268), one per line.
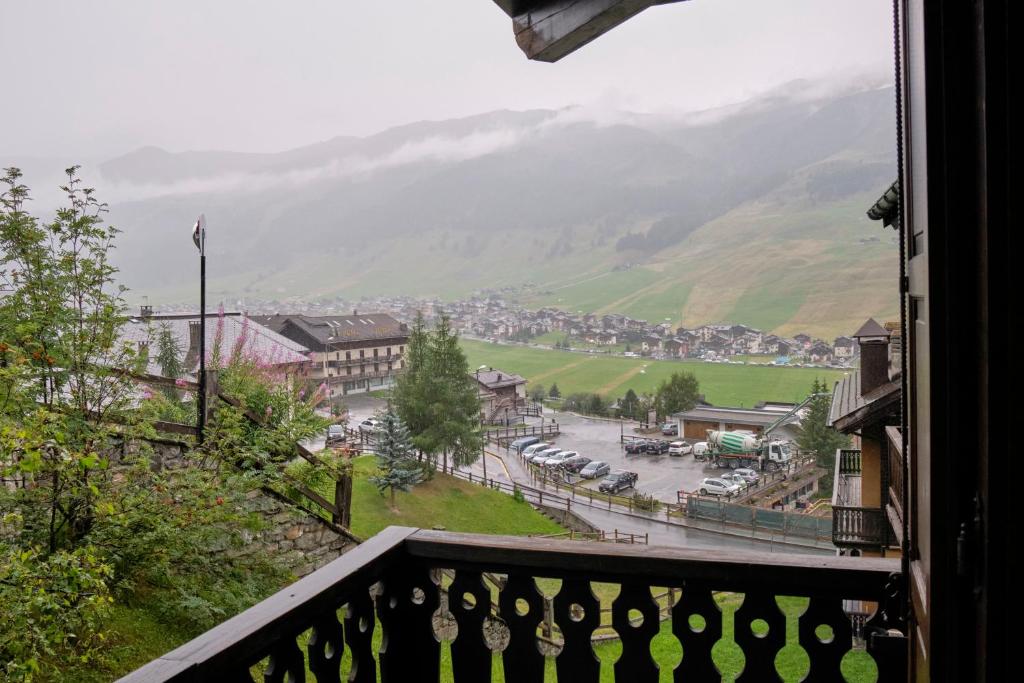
(871, 329)
(496, 379)
(850, 410)
(233, 328)
(332, 329)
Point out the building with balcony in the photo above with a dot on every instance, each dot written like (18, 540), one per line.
(943, 608)
(866, 518)
(351, 354)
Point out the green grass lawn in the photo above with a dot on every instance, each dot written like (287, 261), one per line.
(723, 385)
(443, 501)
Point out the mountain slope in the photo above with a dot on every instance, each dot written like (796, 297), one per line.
(755, 216)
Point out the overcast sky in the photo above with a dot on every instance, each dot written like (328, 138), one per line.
(89, 80)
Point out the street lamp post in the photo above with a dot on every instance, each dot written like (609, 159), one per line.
(199, 238)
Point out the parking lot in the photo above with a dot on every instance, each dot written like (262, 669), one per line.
(659, 475)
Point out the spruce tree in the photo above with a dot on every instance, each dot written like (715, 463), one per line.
(554, 392)
(815, 434)
(456, 425)
(413, 388)
(396, 468)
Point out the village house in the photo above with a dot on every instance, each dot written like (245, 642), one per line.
(868, 492)
(502, 395)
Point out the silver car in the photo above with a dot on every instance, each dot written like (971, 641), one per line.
(717, 486)
(558, 458)
(595, 469)
(530, 451)
(746, 474)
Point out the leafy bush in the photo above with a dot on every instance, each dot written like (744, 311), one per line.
(54, 608)
(645, 501)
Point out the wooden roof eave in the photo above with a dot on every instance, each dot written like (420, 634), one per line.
(870, 413)
(547, 30)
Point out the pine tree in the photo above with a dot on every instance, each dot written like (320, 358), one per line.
(396, 468)
(454, 401)
(414, 387)
(170, 356)
(815, 434)
(554, 392)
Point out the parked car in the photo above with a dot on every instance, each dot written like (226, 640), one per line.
(519, 444)
(370, 424)
(656, 447)
(575, 463)
(540, 457)
(731, 478)
(617, 481)
(335, 434)
(670, 429)
(716, 486)
(595, 469)
(558, 458)
(700, 449)
(636, 446)
(531, 450)
(748, 475)
(679, 448)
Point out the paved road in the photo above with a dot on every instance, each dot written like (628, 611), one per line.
(509, 469)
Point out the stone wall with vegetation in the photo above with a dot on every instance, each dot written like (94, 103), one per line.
(303, 541)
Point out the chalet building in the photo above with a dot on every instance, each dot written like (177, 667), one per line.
(866, 511)
(844, 348)
(352, 354)
(819, 352)
(226, 333)
(502, 395)
(696, 423)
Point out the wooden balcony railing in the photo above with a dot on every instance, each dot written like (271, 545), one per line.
(895, 472)
(846, 484)
(400, 581)
(859, 527)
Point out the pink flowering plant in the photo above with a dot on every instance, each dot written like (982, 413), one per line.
(265, 378)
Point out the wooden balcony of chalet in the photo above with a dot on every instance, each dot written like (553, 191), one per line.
(398, 581)
(853, 525)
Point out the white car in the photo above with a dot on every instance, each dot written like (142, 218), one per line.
(370, 424)
(530, 451)
(540, 457)
(700, 448)
(716, 486)
(679, 448)
(558, 458)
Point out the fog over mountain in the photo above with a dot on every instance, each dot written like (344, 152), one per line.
(498, 198)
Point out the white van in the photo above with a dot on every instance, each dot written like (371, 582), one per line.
(700, 448)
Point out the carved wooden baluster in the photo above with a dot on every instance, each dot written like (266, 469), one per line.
(889, 652)
(325, 648)
(636, 663)
(825, 656)
(286, 663)
(522, 660)
(759, 650)
(409, 650)
(697, 640)
(578, 614)
(471, 658)
(359, 624)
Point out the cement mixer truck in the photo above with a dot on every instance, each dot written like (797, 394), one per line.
(742, 449)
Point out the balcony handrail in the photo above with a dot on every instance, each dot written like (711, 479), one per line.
(404, 555)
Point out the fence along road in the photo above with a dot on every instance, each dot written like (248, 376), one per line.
(507, 473)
